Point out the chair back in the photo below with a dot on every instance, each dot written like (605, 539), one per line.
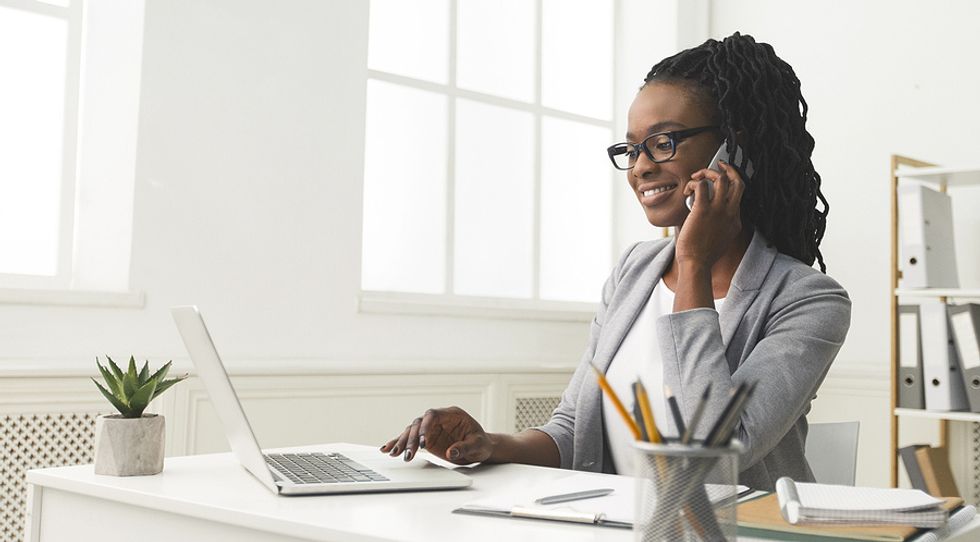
(831, 451)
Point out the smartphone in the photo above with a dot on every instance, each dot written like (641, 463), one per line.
(722, 154)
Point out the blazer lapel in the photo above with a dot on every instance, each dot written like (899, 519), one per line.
(748, 278)
(631, 296)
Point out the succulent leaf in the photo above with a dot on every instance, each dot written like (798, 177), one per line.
(115, 369)
(165, 385)
(161, 374)
(142, 397)
(130, 385)
(116, 402)
(114, 385)
(144, 373)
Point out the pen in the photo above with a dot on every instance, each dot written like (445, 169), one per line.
(698, 412)
(576, 496)
(675, 410)
(604, 384)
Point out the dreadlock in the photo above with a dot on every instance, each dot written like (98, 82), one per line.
(757, 95)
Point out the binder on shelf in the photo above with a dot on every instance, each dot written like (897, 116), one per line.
(965, 321)
(938, 477)
(928, 257)
(910, 392)
(942, 379)
(912, 467)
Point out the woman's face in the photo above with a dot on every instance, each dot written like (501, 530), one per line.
(666, 107)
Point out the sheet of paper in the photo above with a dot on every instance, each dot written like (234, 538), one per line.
(618, 506)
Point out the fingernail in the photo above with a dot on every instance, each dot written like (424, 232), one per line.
(454, 453)
(408, 455)
(383, 446)
(422, 442)
(394, 451)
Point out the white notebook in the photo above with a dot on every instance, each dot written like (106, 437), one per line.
(825, 503)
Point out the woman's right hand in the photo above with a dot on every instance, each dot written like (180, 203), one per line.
(450, 433)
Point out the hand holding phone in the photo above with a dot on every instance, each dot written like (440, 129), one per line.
(722, 154)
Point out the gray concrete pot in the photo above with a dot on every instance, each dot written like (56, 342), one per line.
(129, 446)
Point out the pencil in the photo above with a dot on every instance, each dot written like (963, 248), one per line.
(675, 410)
(607, 389)
(653, 435)
(689, 434)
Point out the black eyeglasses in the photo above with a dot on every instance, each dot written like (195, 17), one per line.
(658, 147)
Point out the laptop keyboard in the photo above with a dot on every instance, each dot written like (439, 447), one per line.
(320, 468)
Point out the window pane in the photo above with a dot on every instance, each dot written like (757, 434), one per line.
(410, 38)
(577, 68)
(32, 102)
(576, 193)
(404, 190)
(487, 63)
(494, 200)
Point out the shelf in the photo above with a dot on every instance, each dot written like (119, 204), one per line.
(954, 176)
(934, 415)
(962, 293)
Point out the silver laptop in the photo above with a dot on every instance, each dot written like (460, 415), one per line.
(332, 468)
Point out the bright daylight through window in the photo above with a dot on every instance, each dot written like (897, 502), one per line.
(484, 170)
(69, 104)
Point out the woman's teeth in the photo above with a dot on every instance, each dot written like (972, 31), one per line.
(659, 190)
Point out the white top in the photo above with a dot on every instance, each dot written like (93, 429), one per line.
(639, 357)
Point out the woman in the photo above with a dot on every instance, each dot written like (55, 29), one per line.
(745, 250)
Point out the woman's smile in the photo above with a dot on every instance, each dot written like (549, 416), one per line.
(655, 195)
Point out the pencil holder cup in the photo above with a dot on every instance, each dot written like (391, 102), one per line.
(686, 492)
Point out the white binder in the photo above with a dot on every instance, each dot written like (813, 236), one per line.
(928, 257)
(942, 379)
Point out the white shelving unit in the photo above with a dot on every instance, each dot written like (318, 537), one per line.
(942, 178)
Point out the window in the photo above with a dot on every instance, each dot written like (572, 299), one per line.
(485, 175)
(68, 147)
(39, 57)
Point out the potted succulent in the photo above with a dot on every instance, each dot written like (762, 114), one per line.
(131, 443)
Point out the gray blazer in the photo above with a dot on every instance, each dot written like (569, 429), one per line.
(781, 326)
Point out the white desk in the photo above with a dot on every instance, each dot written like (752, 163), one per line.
(211, 497)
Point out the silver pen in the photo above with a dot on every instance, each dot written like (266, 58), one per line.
(576, 496)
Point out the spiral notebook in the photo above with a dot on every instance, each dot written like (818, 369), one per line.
(824, 503)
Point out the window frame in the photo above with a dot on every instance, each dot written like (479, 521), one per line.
(452, 304)
(72, 14)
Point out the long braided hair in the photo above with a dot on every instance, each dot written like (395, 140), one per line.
(757, 94)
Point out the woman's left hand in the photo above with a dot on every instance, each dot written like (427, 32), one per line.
(714, 224)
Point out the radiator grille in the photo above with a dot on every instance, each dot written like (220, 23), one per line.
(533, 411)
(29, 441)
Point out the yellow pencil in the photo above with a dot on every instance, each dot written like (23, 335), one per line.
(648, 421)
(616, 402)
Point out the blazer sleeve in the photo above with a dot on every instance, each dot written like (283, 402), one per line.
(561, 426)
(805, 329)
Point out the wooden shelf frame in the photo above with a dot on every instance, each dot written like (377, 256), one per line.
(905, 168)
